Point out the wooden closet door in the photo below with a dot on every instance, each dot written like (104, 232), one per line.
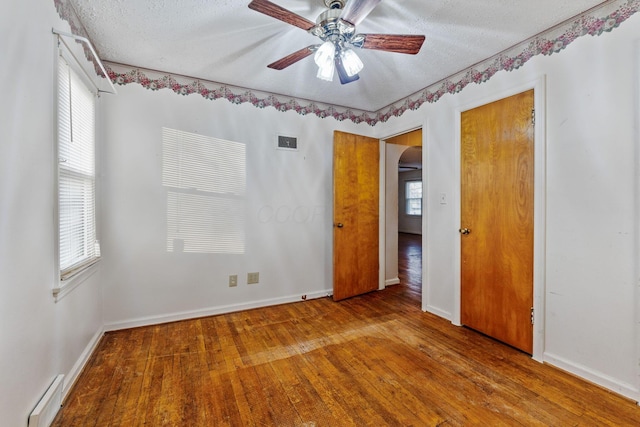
(497, 165)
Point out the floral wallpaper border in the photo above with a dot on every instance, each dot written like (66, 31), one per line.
(594, 22)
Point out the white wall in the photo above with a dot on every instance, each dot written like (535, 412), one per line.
(39, 338)
(288, 216)
(591, 253)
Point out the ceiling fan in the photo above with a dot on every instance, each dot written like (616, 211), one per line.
(336, 27)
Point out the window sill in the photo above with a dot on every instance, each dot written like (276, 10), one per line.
(65, 287)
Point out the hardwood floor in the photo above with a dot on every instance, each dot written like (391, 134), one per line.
(410, 261)
(373, 360)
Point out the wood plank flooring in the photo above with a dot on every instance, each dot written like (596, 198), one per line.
(373, 360)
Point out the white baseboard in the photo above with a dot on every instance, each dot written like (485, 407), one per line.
(74, 373)
(438, 312)
(624, 389)
(390, 282)
(212, 311)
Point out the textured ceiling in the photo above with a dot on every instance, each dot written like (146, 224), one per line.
(224, 41)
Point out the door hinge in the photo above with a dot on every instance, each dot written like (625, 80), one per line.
(532, 317)
(533, 116)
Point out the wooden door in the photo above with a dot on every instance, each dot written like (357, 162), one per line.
(356, 179)
(497, 167)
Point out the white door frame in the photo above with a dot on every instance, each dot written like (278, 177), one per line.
(382, 210)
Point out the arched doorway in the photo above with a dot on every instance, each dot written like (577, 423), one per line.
(403, 209)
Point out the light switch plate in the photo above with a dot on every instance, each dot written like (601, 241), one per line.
(233, 280)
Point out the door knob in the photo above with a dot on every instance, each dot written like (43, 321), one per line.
(464, 231)
(339, 225)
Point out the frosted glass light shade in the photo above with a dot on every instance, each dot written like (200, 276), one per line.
(325, 59)
(325, 53)
(352, 64)
(325, 72)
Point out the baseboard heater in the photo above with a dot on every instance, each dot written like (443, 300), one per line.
(47, 408)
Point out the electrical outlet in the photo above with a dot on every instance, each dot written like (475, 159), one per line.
(233, 280)
(253, 278)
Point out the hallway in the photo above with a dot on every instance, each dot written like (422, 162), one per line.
(410, 262)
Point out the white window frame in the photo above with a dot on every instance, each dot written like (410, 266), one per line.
(70, 276)
(407, 199)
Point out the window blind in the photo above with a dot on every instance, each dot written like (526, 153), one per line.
(76, 172)
(413, 196)
(206, 181)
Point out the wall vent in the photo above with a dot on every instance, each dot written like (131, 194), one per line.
(287, 142)
(46, 410)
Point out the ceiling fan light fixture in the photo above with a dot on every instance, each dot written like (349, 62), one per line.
(342, 72)
(324, 58)
(336, 27)
(351, 62)
(325, 71)
(325, 54)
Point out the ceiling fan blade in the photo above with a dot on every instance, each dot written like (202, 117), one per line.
(399, 43)
(278, 12)
(283, 63)
(356, 10)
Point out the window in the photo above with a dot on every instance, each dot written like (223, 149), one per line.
(77, 244)
(413, 197)
(205, 179)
